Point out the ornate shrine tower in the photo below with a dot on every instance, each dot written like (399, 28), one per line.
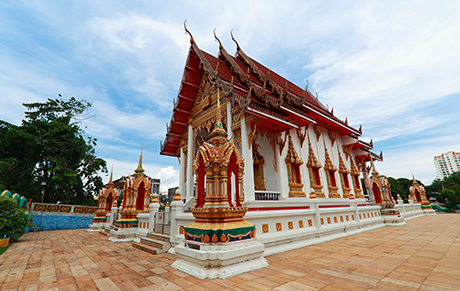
(107, 198)
(136, 198)
(418, 193)
(219, 243)
(379, 189)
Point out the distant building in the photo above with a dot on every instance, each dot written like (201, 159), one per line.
(447, 163)
(155, 185)
(171, 192)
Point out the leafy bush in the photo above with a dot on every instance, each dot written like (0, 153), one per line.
(15, 221)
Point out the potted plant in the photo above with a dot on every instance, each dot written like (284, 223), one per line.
(3, 241)
(14, 221)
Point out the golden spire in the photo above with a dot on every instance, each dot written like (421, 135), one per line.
(218, 135)
(219, 117)
(111, 175)
(139, 166)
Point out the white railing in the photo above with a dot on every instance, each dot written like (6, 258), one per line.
(267, 195)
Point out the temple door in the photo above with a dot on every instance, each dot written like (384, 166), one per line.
(375, 190)
(109, 200)
(140, 197)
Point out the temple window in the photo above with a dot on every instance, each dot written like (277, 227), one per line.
(293, 163)
(259, 181)
(313, 169)
(330, 173)
(344, 177)
(356, 181)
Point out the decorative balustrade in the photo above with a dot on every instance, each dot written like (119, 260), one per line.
(267, 195)
(62, 208)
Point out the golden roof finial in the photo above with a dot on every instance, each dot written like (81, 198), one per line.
(237, 45)
(192, 41)
(218, 105)
(413, 177)
(139, 166)
(215, 36)
(111, 175)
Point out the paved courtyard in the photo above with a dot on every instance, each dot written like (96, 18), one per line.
(422, 255)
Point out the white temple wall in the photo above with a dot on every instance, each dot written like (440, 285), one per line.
(288, 228)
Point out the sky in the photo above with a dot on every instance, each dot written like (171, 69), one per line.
(392, 66)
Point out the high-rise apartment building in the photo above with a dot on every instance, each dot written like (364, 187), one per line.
(447, 163)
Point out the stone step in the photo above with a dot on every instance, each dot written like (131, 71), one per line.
(104, 232)
(159, 244)
(146, 248)
(159, 236)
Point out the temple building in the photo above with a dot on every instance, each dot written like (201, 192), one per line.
(247, 138)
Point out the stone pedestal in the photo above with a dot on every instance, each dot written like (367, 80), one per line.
(93, 227)
(154, 208)
(429, 211)
(122, 234)
(219, 260)
(176, 208)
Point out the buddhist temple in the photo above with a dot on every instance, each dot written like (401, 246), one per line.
(263, 161)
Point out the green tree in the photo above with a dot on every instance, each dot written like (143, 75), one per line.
(450, 190)
(50, 147)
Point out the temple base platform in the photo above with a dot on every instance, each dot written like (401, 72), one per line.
(122, 234)
(428, 210)
(96, 227)
(219, 260)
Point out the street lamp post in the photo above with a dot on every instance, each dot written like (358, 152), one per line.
(41, 212)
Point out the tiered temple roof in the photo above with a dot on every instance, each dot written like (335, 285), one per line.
(279, 104)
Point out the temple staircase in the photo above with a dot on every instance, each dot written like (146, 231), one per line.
(154, 243)
(105, 232)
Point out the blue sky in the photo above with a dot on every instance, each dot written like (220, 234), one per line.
(392, 66)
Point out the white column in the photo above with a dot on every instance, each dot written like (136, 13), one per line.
(181, 174)
(248, 175)
(229, 120)
(190, 163)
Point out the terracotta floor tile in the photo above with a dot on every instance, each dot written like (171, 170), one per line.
(423, 254)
